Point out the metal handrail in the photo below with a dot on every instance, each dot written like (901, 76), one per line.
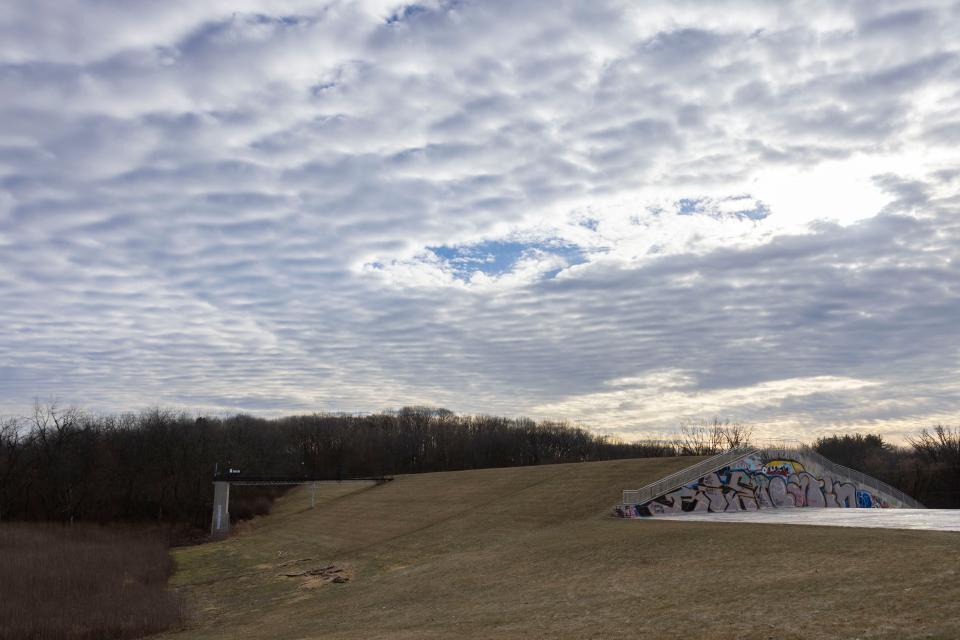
(862, 478)
(683, 476)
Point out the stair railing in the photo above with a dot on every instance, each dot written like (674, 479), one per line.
(860, 478)
(684, 476)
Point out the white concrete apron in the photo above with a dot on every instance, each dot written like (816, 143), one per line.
(931, 519)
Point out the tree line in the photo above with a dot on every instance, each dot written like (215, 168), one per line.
(157, 465)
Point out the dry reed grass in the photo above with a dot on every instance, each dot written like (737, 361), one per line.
(83, 582)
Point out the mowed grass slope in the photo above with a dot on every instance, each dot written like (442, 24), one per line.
(531, 552)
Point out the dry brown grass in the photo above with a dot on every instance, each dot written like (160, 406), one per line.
(530, 553)
(83, 582)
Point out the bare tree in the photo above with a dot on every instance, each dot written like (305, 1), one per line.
(9, 460)
(943, 445)
(711, 437)
(736, 435)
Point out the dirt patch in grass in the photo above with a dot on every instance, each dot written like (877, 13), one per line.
(84, 582)
(312, 575)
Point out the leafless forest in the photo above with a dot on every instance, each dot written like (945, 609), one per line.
(156, 466)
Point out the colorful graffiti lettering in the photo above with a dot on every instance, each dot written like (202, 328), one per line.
(782, 468)
(755, 484)
(866, 501)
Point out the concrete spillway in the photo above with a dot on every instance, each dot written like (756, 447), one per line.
(761, 479)
(925, 519)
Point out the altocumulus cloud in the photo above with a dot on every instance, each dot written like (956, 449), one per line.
(630, 214)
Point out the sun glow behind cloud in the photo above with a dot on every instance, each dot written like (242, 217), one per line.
(638, 405)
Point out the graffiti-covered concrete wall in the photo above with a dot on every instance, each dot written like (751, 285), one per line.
(764, 480)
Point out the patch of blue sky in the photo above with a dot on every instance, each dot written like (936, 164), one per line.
(409, 11)
(690, 206)
(405, 13)
(724, 208)
(759, 212)
(496, 257)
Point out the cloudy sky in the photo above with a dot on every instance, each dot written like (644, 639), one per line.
(630, 214)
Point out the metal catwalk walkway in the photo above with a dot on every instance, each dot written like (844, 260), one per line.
(930, 519)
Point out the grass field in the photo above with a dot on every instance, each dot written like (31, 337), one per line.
(530, 552)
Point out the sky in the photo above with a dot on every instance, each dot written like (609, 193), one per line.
(627, 215)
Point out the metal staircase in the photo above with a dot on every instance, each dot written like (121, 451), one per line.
(684, 476)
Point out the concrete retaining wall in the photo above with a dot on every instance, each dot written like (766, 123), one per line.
(769, 480)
